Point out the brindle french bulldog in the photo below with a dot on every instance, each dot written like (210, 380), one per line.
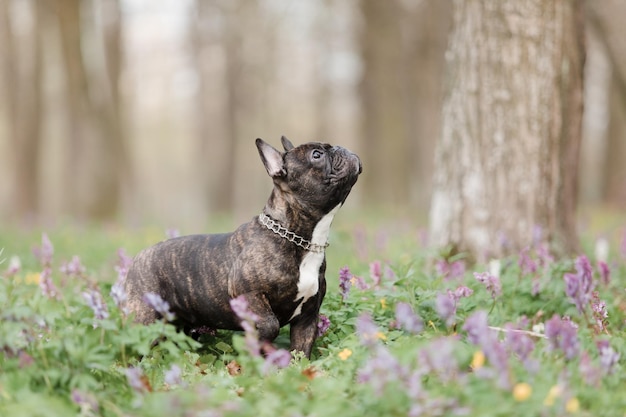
(277, 260)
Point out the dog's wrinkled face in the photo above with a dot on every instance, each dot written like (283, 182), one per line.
(318, 174)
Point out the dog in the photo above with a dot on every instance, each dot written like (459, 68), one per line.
(276, 261)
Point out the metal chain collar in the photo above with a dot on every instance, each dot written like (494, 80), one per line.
(281, 231)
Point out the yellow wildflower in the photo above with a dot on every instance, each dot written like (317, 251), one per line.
(572, 405)
(383, 303)
(522, 391)
(553, 394)
(478, 360)
(33, 278)
(345, 354)
(381, 336)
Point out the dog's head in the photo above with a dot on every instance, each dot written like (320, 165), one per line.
(318, 175)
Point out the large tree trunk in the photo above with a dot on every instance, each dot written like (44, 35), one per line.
(507, 159)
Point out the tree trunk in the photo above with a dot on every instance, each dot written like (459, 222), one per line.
(614, 190)
(114, 165)
(22, 68)
(385, 129)
(607, 18)
(97, 162)
(402, 45)
(507, 159)
(77, 106)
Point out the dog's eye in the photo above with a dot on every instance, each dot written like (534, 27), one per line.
(317, 154)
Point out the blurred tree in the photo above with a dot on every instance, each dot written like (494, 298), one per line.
(507, 159)
(96, 162)
(22, 69)
(231, 65)
(402, 47)
(215, 145)
(607, 18)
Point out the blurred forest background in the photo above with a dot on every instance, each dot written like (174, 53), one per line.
(144, 111)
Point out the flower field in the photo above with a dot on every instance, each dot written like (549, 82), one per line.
(405, 331)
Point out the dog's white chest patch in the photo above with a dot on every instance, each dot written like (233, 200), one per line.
(308, 282)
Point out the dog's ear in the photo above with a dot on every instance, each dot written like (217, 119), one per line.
(286, 143)
(272, 159)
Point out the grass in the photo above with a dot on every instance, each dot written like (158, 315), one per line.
(396, 345)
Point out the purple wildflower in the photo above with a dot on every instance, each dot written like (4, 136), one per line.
(608, 356)
(478, 333)
(173, 376)
(87, 402)
(359, 282)
(171, 233)
(159, 305)
(45, 283)
(521, 345)
(456, 270)
(73, 267)
(44, 252)
(380, 370)
(345, 282)
(323, 324)
(578, 286)
(526, 263)
(562, 335)
(248, 324)
(407, 319)
(276, 358)
(491, 283)
(367, 330)
(605, 273)
(598, 308)
(446, 304)
(450, 270)
(241, 308)
(94, 300)
(438, 357)
(118, 294)
(476, 327)
(123, 264)
(376, 273)
(590, 373)
(135, 379)
(461, 292)
(623, 245)
(544, 255)
(446, 307)
(117, 290)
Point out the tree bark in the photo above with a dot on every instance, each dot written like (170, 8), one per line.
(507, 158)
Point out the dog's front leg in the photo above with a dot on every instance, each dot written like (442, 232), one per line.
(267, 324)
(303, 330)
